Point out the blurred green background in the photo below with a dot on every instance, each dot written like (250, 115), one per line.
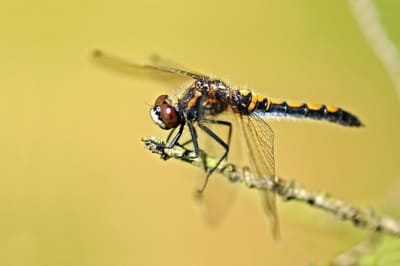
(78, 188)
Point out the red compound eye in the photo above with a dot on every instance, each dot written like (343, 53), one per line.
(169, 116)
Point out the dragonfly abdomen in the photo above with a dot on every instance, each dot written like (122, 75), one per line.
(264, 106)
(313, 111)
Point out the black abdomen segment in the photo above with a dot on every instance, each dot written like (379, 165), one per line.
(313, 111)
(250, 102)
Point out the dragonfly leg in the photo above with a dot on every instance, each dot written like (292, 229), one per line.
(179, 144)
(193, 134)
(223, 123)
(178, 135)
(170, 134)
(182, 144)
(223, 144)
(173, 142)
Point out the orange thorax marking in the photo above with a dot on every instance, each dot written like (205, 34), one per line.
(192, 102)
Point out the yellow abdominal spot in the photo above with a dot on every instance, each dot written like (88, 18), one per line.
(314, 107)
(260, 98)
(253, 102)
(294, 104)
(274, 101)
(268, 104)
(332, 109)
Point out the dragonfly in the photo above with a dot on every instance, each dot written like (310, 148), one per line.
(199, 107)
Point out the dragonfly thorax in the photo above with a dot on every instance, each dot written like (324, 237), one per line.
(204, 98)
(164, 113)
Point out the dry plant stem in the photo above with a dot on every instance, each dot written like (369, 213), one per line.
(354, 254)
(287, 190)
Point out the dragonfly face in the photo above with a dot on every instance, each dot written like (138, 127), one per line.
(164, 113)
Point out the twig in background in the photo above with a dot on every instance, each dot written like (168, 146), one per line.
(353, 255)
(368, 18)
(287, 190)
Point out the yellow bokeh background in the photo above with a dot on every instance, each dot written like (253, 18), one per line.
(78, 188)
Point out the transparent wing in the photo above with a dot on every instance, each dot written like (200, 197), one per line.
(219, 196)
(162, 62)
(154, 71)
(260, 140)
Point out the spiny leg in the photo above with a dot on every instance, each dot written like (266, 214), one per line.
(222, 123)
(204, 155)
(193, 134)
(183, 144)
(192, 140)
(173, 142)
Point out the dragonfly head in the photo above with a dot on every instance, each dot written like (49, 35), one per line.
(164, 113)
